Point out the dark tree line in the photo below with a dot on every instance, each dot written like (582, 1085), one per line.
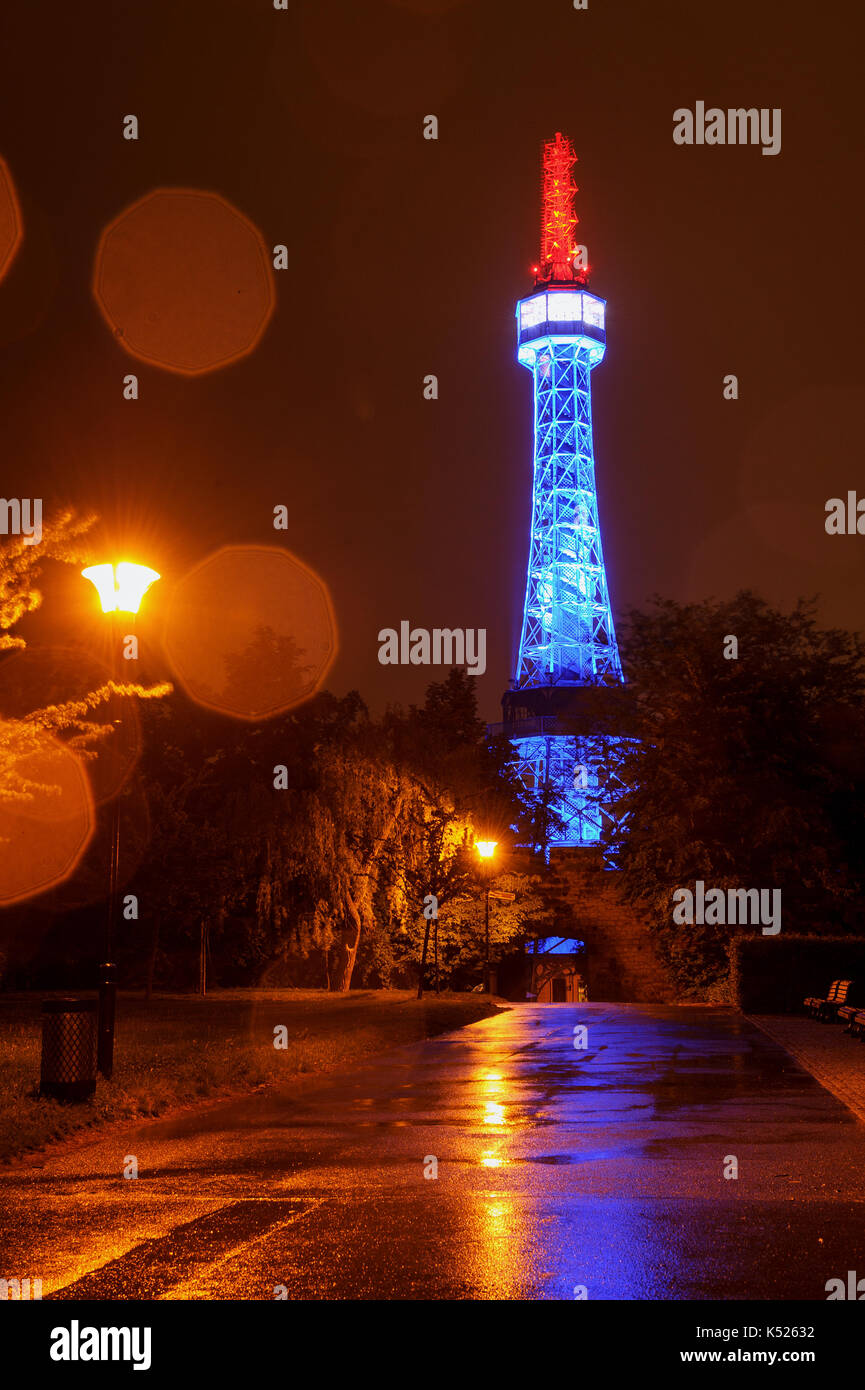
(312, 841)
(744, 770)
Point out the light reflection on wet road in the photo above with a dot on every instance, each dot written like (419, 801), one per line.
(557, 1169)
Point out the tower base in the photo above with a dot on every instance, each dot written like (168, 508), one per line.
(569, 776)
(566, 759)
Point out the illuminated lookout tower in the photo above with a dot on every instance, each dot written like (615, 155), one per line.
(568, 642)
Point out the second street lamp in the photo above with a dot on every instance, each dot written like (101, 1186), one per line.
(120, 589)
(486, 849)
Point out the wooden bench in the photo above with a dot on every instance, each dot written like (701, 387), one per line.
(814, 1004)
(846, 995)
(856, 1023)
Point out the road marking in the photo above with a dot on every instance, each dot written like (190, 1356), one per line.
(153, 1268)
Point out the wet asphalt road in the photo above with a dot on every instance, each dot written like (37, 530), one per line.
(558, 1169)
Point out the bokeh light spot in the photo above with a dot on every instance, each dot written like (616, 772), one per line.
(42, 835)
(184, 280)
(11, 225)
(251, 632)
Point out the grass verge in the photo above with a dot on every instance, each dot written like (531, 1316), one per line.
(174, 1050)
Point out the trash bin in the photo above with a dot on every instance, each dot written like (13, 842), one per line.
(68, 1049)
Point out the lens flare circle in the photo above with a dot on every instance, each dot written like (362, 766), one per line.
(43, 837)
(11, 225)
(185, 281)
(251, 632)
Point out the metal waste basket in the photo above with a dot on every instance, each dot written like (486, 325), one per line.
(68, 1049)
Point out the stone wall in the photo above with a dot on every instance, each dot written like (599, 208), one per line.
(620, 964)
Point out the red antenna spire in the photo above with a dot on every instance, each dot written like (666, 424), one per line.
(558, 218)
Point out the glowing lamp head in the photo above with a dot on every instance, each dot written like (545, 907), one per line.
(486, 848)
(120, 587)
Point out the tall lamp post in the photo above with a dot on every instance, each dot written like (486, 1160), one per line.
(120, 588)
(486, 849)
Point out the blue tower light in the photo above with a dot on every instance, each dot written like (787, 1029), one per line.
(568, 634)
(568, 640)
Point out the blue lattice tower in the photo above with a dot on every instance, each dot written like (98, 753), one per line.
(568, 641)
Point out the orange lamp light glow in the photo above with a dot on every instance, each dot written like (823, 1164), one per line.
(486, 848)
(120, 587)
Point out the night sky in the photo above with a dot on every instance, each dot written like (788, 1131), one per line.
(406, 257)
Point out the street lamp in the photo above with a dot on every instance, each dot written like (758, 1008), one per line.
(486, 849)
(120, 588)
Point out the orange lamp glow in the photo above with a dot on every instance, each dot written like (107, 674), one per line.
(120, 587)
(486, 848)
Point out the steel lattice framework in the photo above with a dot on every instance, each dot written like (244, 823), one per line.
(568, 638)
(568, 631)
(582, 773)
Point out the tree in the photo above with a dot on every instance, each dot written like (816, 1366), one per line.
(743, 772)
(369, 818)
(469, 790)
(287, 865)
(229, 849)
(352, 823)
(436, 864)
(268, 674)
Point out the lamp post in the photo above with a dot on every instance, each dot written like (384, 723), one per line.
(120, 589)
(486, 849)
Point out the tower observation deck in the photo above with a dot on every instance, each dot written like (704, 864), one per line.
(568, 641)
